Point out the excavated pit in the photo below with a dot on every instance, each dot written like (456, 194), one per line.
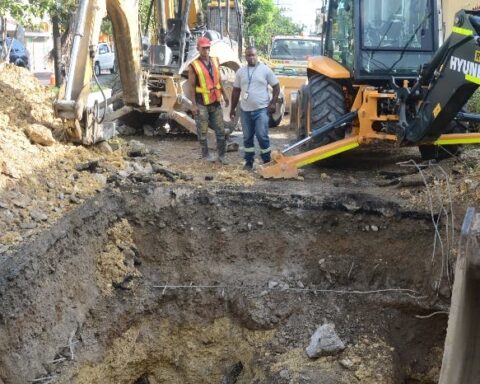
(185, 285)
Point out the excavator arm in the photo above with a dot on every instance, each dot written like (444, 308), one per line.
(450, 79)
(80, 120)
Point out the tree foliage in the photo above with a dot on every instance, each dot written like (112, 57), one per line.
(13, 8)
(263, 20)
(25, 13)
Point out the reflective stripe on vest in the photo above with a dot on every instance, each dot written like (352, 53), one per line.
(209, 88)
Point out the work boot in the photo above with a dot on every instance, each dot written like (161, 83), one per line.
(221, 149)
(205, 154)
(248, 166)
(266, 158)
(223, 160)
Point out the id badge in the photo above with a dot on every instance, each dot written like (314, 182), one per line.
(245, 96)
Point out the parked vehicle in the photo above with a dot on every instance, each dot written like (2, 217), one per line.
(104, 59)
(288, 59)
(18, 53)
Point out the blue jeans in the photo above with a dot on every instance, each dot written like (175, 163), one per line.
(255, 123)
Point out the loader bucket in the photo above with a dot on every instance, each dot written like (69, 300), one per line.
(461, 355)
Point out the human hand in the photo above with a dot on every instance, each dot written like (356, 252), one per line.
(194, 110)
(232, 114)
(271, 108)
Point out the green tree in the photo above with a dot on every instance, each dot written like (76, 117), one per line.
(283, 25)
(13, 8)
(263, 20)
(23, 13)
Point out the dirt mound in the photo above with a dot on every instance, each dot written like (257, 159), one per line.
(24, 101)
(25, 105)
(38, 179)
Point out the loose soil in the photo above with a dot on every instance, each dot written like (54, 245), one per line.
(149, 266)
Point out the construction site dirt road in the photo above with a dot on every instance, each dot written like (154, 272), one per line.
(136, 263)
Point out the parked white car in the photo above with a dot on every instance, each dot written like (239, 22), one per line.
(104, 59)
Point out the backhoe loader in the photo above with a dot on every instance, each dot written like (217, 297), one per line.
(153, 69)
(383, 77)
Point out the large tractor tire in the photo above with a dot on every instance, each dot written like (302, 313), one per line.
(228, 77)
(294, 113)
(297, 116)
(441, 152)
(275, 118)
(323, 103)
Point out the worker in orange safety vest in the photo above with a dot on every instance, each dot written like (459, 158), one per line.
(206, 93)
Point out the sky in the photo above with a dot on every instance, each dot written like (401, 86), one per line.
(301, 11)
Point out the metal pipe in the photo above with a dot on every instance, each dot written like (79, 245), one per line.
(220, 15)
(469, 117)
(75, 48)
(227, 17)
(320, 131)
(239, 36)
(183, 31)
(162, 21)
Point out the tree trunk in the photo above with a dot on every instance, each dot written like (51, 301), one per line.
(3, 37)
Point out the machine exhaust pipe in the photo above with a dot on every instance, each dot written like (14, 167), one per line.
(220, 16)
(162, 21)
(161, 54)
(227, 18)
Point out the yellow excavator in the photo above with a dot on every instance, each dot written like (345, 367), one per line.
(153, 69)
(383, 77)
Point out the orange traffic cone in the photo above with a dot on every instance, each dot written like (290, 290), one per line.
(52, 79)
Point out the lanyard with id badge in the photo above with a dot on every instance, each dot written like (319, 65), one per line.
(245, 95)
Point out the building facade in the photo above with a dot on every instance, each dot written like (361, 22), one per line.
(451, 7)
(38, 42)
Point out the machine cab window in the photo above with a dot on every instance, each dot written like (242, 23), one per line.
(378, 39)
(395, 25)
(295, 49)
(340, 44)
(395, 37)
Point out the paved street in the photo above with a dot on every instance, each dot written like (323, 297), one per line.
(104, 79)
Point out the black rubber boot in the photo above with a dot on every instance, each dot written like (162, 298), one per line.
(205, 154)
(222, 149)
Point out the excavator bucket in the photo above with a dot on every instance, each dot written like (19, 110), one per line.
(461, 357)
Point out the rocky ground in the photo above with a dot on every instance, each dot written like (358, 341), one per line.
(44, 182)
(41, 177)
